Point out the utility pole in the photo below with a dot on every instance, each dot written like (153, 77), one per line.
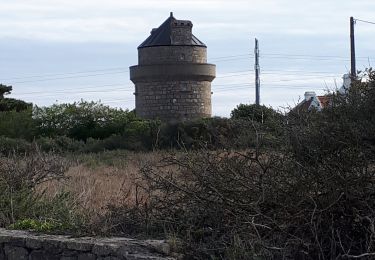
(353, 70)
(257, 70)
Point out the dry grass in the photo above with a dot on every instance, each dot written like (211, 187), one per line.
(94, 187)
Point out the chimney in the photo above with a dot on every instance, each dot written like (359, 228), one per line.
(181, 32)
(309, 95)
(347, 81)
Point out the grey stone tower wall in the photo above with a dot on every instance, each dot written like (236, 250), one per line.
(170, 100)
(181, 32)
(172, 54)
(173, 82)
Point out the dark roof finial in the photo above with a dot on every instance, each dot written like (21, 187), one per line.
(171, 15)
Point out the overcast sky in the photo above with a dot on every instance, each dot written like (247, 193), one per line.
(67, 50)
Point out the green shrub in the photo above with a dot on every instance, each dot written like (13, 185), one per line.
(60, 144)
(15, 124)
(216, 133)
(310, 197)
(257, 113)
(48, 215)
(10, 104)
(114, 158)
(114, 142)
(36, 225)
(11, 145)
(20, 200)
(81, 120)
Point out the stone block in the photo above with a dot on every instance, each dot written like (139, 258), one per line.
(103, 250)
(109, 258)
(33, 243)
(15, 253)
(14, 241)
(56, 248)
(52, 246)
(79, 246)
(42, 255)
(86, 256)
(2, 255)
(68, 258)
(68, 252)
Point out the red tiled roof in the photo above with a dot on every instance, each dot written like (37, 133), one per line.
(325, 100)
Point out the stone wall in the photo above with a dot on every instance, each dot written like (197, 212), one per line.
(173, 82)
(173, 100)
(181, 32)
(172, 54)
(21, 245)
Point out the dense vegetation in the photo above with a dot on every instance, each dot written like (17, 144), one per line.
(259, 185)
(309, 197)
(93, 127)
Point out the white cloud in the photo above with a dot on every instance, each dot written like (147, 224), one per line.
(284, 26)
(113, 20)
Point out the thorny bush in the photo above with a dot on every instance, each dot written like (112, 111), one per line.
(20, 196)
(311, 198)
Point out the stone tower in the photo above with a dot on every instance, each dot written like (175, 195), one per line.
(172, 79)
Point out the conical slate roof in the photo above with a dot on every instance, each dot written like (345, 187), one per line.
(162, 36)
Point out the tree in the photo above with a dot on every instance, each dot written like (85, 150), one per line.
(258, 113)
(5, 90)
(11, 104)
(81, 120)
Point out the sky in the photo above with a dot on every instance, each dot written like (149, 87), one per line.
(57, 51)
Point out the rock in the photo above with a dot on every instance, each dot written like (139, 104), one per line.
(2, 256)
(68, 258)
(108, 258)
(42, 255)
(68, 252)
(79, 246)
(33, 243)
(23, 245)
(159, 246)
(103, 249)
(16, 253)
(52, 246)
(86, 256)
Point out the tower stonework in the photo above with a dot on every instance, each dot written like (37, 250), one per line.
(172, 79)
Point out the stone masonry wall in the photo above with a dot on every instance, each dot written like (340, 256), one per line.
(181, 33)
(173, 100)
(172, 54)
(21, 245)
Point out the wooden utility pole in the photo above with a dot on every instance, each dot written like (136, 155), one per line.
(257, 72)
(353, 70)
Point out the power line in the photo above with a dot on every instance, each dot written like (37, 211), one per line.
(130, 87)
(82, 92)
(69, 77)
(91, 89)
(229, 74)
(234, 86)
(304, 72)
(309, 56)
(246, 86)
(233, 56)
(123, 89)
(364, 21)
(119, 70)
(75, 89)
(278, 72)
(63, 74)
